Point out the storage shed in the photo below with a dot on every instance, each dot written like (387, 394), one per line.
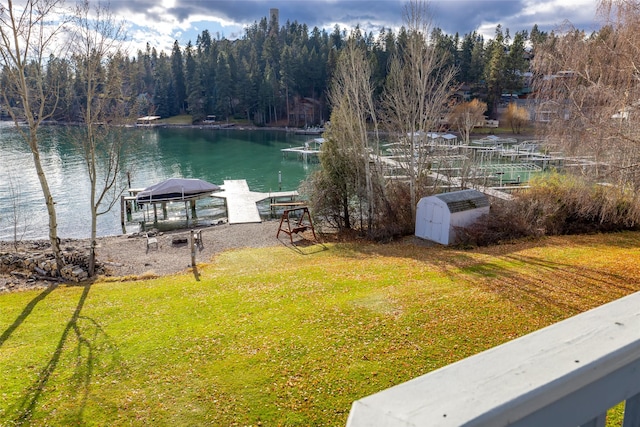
(438, 217)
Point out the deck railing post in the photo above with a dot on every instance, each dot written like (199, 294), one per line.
(632, 412)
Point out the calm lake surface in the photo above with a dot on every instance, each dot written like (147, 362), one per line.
(154, 154)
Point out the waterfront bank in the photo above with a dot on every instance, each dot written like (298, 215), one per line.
(154, 154)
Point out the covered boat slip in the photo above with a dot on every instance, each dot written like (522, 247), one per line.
(171, 190)
(240, 203)
(176, 189)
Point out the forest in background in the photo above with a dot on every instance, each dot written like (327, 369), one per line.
(280, 74)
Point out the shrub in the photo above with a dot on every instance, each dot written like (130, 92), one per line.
(558, 204)
(394, 213)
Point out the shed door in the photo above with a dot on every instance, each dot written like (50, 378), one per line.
(434, 226)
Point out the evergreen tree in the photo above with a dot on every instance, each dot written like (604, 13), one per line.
(162, 97)
(287, 76)
(446, 47)
(59, 75)
(207, 55)
(465, 70)
(224, 88)
(478, 61)
(194, 89)
(267, 94)
(537, 37)
(495, 71)
(246, 90)
(177, 70)
(254, 73)
(516, 64)
(336, 38)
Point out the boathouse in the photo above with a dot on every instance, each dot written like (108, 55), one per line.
(438, 217)
(147, 120)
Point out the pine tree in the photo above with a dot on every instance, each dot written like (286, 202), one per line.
(495, 71)
(194, 89)
(177, 71)
(224, 89)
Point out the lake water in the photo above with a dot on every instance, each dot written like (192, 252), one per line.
(154, 154)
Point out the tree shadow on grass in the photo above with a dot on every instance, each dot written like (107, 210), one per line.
(25, 313)
(512, 272)
(304, 246)
(567, 289)
(87, 334)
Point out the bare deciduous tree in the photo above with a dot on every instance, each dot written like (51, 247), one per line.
(28, 34)
(99, 39)
(418, 88)
(589, 92)
(467, 115)
(349, 141)
(516, 117)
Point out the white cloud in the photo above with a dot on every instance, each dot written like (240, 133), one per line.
(162, 22)
(557, 11)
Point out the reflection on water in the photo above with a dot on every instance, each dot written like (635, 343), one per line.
(152, 156)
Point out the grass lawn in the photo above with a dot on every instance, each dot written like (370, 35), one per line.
(275, 337)
(183, 119)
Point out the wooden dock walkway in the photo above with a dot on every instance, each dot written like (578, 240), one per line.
(456, 181)
(241, 202)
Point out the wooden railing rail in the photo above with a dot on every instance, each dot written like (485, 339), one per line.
(568, 374)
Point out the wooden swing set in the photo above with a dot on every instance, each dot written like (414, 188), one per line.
(300, 222)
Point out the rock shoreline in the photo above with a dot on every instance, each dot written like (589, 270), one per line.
(35, 263)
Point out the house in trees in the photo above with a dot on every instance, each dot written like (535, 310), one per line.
(463, 94)
(305, 112)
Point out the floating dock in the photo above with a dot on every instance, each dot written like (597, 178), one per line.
(242, 203)
(310, 150)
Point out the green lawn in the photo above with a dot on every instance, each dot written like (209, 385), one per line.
(278, 337)
(183, 119)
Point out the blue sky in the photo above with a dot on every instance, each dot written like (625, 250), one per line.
(160, 22)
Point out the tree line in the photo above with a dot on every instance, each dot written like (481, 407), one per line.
(274, 74)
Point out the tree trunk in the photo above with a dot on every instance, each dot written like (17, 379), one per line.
(51, 210)
(94, 227)
(288, 112)
(347, 220)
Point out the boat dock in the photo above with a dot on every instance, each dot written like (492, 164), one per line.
(455, 181)
(242, 203)
(310, 150)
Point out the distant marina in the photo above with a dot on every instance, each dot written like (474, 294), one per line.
(492, 164)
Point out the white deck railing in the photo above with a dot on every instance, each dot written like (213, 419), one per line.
(568, 374)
